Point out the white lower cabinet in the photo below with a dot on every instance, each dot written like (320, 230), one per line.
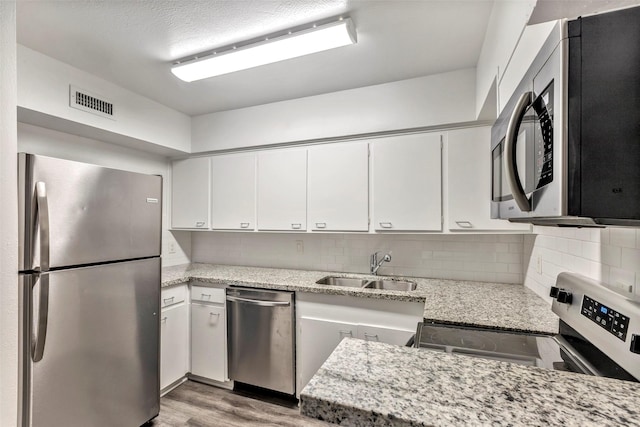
(208, 333)
(317, 340)
(325, 320)
(174, 343)
(208, 342)
(386, 335)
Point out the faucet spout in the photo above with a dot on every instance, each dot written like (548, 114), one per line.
(375, 264)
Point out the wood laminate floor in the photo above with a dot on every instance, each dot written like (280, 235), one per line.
(198, 405)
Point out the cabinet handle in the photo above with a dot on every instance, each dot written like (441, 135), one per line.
(164, 319)
(366, 335)
(346, 333)
(296, 226)
(385, 225)
(206, 295)
(464, 224)
(168, 300)
(200, 224)
(244, 225)
(211, 313)
(321, 225)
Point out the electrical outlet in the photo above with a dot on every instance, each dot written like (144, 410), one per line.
(300, 246)
(172, 247)
(539, 264)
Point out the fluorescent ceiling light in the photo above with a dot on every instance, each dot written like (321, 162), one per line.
(290, 45)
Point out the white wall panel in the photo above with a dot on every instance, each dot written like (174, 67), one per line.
(480, 257)
(610, 255)
(425, 101)
(43, 86)
(8, 218)
(506, 24)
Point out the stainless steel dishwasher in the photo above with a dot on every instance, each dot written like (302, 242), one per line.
(261, 338)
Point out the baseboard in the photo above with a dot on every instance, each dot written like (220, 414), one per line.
(228, 385)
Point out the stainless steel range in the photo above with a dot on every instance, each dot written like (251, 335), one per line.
(599, 334)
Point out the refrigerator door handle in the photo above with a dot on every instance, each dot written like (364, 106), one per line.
(40, 337)
(43, 221)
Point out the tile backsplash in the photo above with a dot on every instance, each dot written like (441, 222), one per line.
(610, 255)
(487, 257)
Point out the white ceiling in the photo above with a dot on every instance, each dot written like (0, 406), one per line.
(133, 43)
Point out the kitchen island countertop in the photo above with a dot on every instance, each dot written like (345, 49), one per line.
(366, 383)
(458, 302)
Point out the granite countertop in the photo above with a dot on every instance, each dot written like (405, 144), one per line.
(366, 383)
(487, 305)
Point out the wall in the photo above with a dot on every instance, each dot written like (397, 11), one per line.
(43, 86)
(506, 24)
(37, 140)
(421, 102)
(532, 39)
(486, 258)
(611, 255)
(8, 218)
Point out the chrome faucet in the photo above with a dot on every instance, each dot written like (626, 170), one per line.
(375, 264)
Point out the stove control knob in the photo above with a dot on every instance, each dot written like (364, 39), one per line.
(635, 344)
(564, 297)
(554, 292)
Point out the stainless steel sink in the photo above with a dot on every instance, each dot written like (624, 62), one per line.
(389, 285)
(342, 281)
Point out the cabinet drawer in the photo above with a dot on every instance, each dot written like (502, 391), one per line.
(173, 296)
(204, 294)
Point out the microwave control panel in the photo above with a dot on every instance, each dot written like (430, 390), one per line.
(543, 106)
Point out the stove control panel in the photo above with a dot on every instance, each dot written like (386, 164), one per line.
(613, 321)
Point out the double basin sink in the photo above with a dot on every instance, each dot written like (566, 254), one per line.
(384, 284)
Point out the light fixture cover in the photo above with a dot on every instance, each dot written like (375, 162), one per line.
(316, 39)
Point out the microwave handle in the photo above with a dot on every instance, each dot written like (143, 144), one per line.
(510, 164)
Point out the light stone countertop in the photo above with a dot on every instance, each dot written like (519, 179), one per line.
(366, 383)
(488, 305)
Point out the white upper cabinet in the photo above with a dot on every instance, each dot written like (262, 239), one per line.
(468, 159)
(190, 193)
(406, 183)
(233, 192)
(338, 187)
(282, 190)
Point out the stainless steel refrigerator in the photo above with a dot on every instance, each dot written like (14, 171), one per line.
(90, 294)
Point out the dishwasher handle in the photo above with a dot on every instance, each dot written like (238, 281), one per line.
(261, 303)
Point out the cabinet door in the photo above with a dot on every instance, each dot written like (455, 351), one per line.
(233, 192)
(282, 190)
(338, 187)
(208, 342)
(190, 193)
(468, 157)
(318, 339)
(407, 193)
(386, 335)
(174, 344)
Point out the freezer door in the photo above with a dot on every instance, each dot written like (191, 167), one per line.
(88, 213)
(90, 346)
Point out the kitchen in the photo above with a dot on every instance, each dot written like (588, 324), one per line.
(146, 135)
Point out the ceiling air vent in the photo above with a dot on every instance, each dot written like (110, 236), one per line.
(83, 100)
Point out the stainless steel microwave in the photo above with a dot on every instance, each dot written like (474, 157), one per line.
(566, 148)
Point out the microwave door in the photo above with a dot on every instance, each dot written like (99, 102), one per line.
(517, 151)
